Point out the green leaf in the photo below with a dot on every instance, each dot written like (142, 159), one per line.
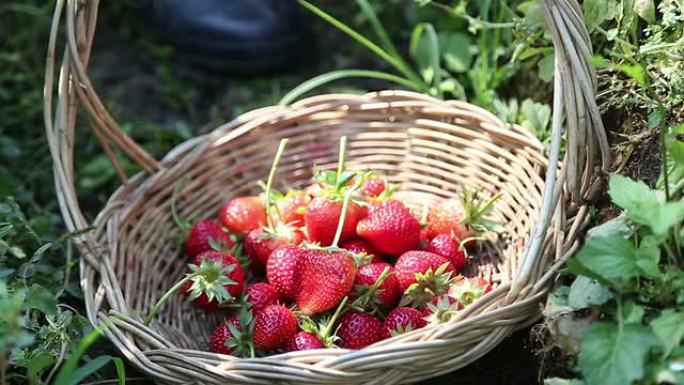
(42, 299)
(585, 292)
(646, 10)
(610, 355)
(598, 11)
(632, 313)
(86, 370)
(535, 116)
(649, 256)
(634, 71)
(562, 381)
(669, 326)
(613, 227)
(546, 68)
(612, 259)
(455, 47)
(645, 206)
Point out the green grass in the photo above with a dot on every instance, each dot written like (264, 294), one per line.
(493, 53)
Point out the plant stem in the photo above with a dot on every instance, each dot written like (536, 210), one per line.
(363, 300)
(343, 154)
(174, 289)
(340, 309)
(269, 181)
(343, 215)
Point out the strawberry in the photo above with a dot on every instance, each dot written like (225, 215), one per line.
(291, 208)
(261, 295)
(323, 279)
(441, 308)
(373, 187)
(412, 263)
(358, 330)
(221, 280)
(303, 341)
(387, 293)
(282, 265)
(204, 235)
(463, 218)
(243, 214)
(322, 216)
(273, 327)
(448, 247)
(390, 228)
(404, 319)
(468, 290)
(425, 238)
(362, 249)
(234, 335)
(260, 243)
(218, 343)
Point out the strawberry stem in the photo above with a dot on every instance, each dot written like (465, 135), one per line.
(173, 290)
(269, 181)
(343, 217)
(331, 324)
(363, 300)
(182, 223)
(340, 159)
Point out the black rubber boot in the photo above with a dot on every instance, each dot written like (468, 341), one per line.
(238, 36)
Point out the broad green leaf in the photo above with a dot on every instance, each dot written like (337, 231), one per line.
(649, 256)
(585, 292)
(42, 299)
(675, 156)
(613, 259)
(669, 326)
(646, 10)
(535, 116)
(610, 355)
(455, 47)
(613, 227)
(546, 68)
(632, 313)
(645, 206)
(598, 11)
(557, 301)
(634, 71)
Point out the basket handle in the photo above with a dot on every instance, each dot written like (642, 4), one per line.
(587, 154)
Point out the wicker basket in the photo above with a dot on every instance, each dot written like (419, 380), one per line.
(430, 147)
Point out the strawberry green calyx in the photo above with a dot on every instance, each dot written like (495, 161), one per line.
(370, 294)
(428, 285)
(475, 210)
(241, 340)
(442, 310)
(269, 181)
(209, 278)
(324, 329)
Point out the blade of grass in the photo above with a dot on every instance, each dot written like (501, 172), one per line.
(398, 65)
(328, 77)
(380, 31)
(86, 370)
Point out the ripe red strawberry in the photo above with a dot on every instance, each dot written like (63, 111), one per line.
(358, 330)
(261, 295)
(261, 242)
(218, 343)
(291, 208)
(425, 238)
(322, 216)
(243, 214)
(446, 246)
(373, 187)
(234, 285)
(412, 263)
(388, 293)
(390, 228)
(363, 249)
(468, 290)
(464, 218)
(303, 341)
(404, 319)
(323, 279)
(273, 327)
(281, 268)
(203, 235)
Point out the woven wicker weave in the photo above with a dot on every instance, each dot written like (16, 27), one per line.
(430, 147)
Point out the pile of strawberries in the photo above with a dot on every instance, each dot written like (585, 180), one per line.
(339, 264)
